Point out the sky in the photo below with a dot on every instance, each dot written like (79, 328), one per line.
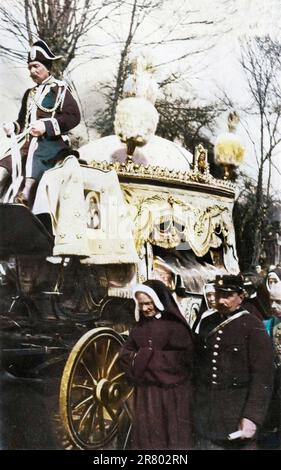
(217, 68)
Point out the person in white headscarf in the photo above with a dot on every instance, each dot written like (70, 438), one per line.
(208, 304)
(273, 277)
(157, 359)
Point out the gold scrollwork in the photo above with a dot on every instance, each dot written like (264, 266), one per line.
(150, 172)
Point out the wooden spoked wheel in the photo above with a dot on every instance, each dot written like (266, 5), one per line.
(94, 390)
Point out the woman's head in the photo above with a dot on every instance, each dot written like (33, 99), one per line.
(273, 277)
(153, 298)
(147, 301)
(275, 299)
(210, 295)
(146, 305)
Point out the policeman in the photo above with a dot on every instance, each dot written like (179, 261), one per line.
(234, 371)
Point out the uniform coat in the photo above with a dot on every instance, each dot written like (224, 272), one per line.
(157, 359)
(52, 102)
(234, 374)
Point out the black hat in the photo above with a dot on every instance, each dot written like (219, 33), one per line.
(229, 283)
(40, 52)
(66, 152)
(250, 282)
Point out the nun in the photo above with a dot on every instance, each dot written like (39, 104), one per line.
(157, 359)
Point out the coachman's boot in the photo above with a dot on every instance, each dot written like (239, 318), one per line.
(27, 195)
(4, 176)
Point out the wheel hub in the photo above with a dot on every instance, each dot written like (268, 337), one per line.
(108, 392)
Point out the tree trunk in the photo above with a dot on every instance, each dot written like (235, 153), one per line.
(27, 21)
(258, 217)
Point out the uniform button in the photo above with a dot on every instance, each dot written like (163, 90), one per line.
(216, 346)
(235, 349)
(214, 382)
(215, 368)
(205, 347)
(218, 339)
(214, 376)
(220, 332)
(215, 353)
(214, 361)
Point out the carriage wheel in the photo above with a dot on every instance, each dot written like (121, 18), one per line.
(93, 390)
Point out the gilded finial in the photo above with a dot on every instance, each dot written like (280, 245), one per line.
(233, 120)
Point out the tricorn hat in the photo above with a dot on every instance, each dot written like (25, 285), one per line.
(229, 283)
(40, 52)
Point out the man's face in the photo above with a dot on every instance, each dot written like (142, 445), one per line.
(276, 308)
(228, 302)
(146, 305)
(38, 72)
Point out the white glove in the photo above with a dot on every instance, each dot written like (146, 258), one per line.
(9, 128)
(248, 428)
(37, 128)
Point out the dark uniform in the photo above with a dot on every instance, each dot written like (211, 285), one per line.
(234, 374)
(52, 102)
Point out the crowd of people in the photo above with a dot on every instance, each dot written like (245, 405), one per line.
(214, 384)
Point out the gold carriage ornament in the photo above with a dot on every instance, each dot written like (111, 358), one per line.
(229, 152)
(200, 161)
(136, 117)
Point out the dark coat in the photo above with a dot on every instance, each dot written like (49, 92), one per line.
(157, 359)
(270, 435)
(234, 374)
(60, 112)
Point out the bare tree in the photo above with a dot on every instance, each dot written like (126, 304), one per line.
(63, 24)
(245, 224)
(139, 10)
(186, 120)
(165, 36)
(263, 77)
